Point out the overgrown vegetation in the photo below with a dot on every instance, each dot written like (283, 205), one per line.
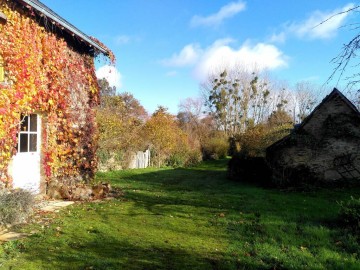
(126, 128)
(240, 111)
(215, 146)
(15, 206)
(120, 119)
(349, 213)
(191, 219)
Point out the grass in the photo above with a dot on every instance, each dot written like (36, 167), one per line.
(191, 219)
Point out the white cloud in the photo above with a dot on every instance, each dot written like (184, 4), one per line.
(278, 38)
(220, 55)
(187, 56)
(111, 74)
(225, 12)
(321, 25)
(122, 39)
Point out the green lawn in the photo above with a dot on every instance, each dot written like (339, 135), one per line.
(191, 219)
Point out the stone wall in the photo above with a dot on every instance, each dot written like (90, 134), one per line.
(326, 147)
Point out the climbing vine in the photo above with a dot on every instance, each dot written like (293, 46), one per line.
(45, 75)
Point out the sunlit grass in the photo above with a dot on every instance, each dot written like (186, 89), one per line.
(191, 219)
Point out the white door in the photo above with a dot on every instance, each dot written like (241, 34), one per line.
(25, 167)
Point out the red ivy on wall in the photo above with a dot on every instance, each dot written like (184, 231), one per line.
(47, 76)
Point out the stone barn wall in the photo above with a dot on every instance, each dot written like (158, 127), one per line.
(324, 149)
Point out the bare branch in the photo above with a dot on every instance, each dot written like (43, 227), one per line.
(337, 14)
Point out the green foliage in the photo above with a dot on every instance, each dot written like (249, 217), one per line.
(215, 147)
(15, 206)
(10, 250)
(349, 213)
(184, 158)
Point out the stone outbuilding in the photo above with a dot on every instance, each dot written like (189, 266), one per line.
(324, 149)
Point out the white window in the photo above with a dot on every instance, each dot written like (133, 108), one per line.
(28, 135)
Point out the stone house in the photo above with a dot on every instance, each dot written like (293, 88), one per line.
(324, 149)
(48, 91)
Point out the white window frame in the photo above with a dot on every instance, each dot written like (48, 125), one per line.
(29, 133)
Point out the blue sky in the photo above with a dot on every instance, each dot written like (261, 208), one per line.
(165, 49)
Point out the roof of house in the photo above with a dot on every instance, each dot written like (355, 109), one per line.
(62, 24)
(334, 93)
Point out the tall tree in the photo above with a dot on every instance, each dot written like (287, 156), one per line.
(236, 99)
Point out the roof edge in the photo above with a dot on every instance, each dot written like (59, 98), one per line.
(334, 92)
(43, 9)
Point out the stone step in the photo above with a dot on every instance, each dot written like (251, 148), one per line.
(52, 206)
(10, 236)
(56, 205)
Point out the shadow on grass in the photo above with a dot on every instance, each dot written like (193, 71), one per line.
(120, 254)
(160, 191)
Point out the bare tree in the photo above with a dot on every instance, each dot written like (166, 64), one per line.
(348, 57)
(189, 117)
(306, 97)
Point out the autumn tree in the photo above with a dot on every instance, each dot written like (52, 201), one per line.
(120, 119)
(161, 131)
(170, 145)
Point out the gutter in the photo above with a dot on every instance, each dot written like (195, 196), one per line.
(40, 7)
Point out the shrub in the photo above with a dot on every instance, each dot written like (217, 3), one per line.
(15, 206)
(176, 159)
(349, 213)
(194, 158)
(185, 158)
(215, 147)
(254, 141)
